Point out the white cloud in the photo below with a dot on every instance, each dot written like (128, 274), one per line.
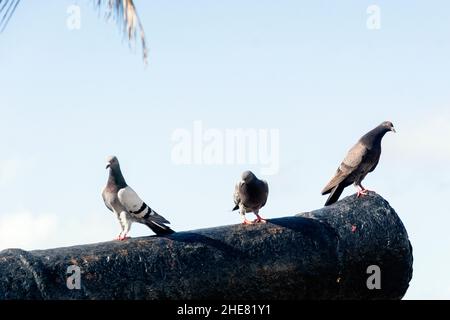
(29, 231)
(25, 230)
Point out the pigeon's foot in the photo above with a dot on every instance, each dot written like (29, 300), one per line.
(123, 238)
(118, 237)
(247, 222)
(260, 220)
(362, 193)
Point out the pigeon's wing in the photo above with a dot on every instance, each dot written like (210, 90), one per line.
(237, 195)
(266, 192)
(105, 200)
(138, 208)
(352, 162)
(375, 164)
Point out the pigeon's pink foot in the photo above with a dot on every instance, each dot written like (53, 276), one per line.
(247, 222)
(123, 238)
(260, 220)
(118, 237)
(362, 193)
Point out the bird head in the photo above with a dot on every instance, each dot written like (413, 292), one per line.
(111, 162)
(388, 126)
(247, 176)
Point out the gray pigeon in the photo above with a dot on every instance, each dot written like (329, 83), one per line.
(127, 206)
(360, 160)
(250, 195)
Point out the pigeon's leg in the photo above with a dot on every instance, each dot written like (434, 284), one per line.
(126, 223)
(119, 237)
(362, 191)
(121, 232)
(259, 219)
(246, 222)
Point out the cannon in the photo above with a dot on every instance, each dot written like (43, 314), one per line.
(356, 249)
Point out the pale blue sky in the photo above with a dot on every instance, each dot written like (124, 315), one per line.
(311, 69)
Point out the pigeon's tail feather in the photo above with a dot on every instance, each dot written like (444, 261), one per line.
(236, 208)
(335, 194)
(155, 217)
(159, 229)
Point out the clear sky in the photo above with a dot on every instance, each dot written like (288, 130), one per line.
(311, 71)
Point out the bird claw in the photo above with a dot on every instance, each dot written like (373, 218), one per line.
(122, 238)
(247, 222)
(362, 193)
(260, 220)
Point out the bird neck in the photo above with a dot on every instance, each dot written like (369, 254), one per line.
(374, 137)
(116, 178)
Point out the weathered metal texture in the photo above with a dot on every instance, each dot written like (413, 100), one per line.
(319, 255)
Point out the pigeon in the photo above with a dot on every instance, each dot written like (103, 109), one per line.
(124, 202)
(250, 195)
(362, 159)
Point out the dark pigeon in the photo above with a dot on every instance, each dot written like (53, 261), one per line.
(127, 206)
(250, 195)
(360, 160)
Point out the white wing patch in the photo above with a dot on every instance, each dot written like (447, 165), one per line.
(134, 205)
(131, 201)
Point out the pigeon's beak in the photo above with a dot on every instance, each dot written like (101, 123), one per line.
(393, 130)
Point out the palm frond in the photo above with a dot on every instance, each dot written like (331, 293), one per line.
(123, 12)
(7, 9)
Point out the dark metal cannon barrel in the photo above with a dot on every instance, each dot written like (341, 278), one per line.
(324, 254)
